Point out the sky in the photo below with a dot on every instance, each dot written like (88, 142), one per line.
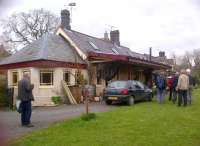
(172, 26)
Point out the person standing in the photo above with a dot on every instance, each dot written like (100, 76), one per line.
(160, 85)
(191, 85)
(174, 85)
(169, 86)
(182, 87)
(25, 95)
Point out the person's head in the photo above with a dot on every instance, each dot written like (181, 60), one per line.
(177, 73)
(188, 71)
(183, 71)
(26, 75)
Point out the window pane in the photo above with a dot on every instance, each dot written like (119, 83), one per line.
(15, 78)
(67, 77)
(46, 78)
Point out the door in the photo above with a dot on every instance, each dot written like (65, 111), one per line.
(140, 90)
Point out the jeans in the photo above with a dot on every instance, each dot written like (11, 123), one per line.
(26, 112)
(189, 96)
(182, 96)
(170, 94)
(160, 95)
(174, 95)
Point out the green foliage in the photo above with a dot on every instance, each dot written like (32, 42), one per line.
(3, 95)
(88, 117)
(80, 78)
(144, 124)
(56, 99)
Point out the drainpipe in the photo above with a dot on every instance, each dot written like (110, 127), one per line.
(150, 53)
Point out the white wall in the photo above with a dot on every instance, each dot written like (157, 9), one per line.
(43, 94)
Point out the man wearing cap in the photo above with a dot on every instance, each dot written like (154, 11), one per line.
(182, 87)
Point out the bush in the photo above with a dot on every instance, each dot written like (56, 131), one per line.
(56, 99)
(88, 117)
(3, 93)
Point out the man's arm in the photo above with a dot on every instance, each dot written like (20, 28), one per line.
(28, 86)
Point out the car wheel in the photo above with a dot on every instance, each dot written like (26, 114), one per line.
(108, 102)
(131, 100)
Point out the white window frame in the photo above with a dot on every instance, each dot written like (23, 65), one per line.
(52, 78)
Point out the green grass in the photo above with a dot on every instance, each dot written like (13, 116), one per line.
(145, 124)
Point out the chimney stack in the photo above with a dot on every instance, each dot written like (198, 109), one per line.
(114, 37)
(162, 54)
(65, 19)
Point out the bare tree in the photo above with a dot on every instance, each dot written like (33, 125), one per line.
(22, 28)
(187, 60)
(196, 55)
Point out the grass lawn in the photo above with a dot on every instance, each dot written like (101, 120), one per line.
(145, 124)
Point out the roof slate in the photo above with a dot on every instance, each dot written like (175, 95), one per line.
(105, 46)
(48, 47)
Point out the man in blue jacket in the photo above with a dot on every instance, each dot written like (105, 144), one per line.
(161, 86)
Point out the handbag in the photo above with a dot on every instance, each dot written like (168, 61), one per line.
(18, 106)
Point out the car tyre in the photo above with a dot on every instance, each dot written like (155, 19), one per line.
(108, 102)
(131, 100)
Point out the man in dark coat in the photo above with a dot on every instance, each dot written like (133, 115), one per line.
(25, 95)
(174, 84)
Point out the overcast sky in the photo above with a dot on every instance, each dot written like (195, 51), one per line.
(164, 25)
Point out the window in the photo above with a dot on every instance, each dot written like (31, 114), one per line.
(14, 78)
(66, 77)
(94, 46)
(140, 85)
(115, 51)
(46, 78)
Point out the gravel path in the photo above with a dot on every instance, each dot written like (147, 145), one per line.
(44, 116)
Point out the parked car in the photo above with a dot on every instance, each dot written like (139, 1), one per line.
(127, 91)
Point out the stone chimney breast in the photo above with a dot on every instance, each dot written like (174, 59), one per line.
(65, 19)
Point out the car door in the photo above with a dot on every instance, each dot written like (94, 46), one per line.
(140, 90)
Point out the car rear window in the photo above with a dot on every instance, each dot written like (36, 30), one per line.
(118, 84)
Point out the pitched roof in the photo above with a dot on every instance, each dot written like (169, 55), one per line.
(92, 44)
(48, 47)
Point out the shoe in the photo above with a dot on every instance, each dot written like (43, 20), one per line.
(28, 125)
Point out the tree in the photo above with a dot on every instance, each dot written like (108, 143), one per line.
(22, 28)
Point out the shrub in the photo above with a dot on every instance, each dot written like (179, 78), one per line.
(56, 99)
(3, 93)
(88, 117)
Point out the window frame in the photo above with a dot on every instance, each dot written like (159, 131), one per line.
(15, 84)
(51, 83)
(64, 75)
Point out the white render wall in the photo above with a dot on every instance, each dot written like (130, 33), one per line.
(43, 94)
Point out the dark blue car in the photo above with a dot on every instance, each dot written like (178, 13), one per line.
(127, 92)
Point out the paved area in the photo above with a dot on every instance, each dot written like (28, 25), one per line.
(42, 117)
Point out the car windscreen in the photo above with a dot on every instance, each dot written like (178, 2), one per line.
(118, 84)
